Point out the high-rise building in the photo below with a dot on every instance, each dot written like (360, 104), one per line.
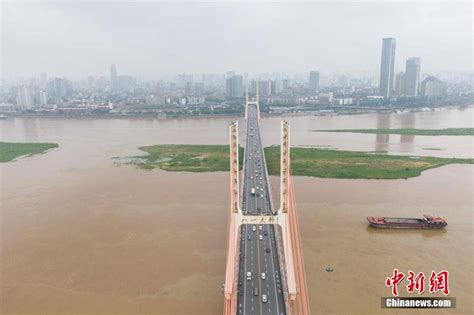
(199, 89)
(432, 87)
(411, 81)
(43, 97)
(314, 81)
(188, 88)
(285, 86)
(387, 67)
(234, 86)
(399, 83)
(113, 73)
(266, 87)
(24, 98)
(60, 87)
(43, 80)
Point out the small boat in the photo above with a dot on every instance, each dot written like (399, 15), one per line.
(427, 222)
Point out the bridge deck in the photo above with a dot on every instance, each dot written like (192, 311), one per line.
(258, 249)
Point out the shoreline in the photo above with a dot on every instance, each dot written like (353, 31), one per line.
(322, 112)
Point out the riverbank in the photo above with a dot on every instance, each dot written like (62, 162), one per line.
(274, 112)
(11, 150)
(312, 162)
(410, 131)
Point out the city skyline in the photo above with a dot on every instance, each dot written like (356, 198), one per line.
(162, 39)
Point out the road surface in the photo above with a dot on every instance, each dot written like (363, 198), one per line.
(258, 250)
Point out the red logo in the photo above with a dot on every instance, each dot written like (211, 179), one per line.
(439, 282)
(394, 281)
(416, 282)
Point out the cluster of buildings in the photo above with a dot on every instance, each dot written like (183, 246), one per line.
(120, 93)
(42, 92)
(408, 83)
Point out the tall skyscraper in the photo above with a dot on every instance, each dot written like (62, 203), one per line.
(412, 77)
(24, 98)
(387, 67)
(113, 72)
(314, 81)
(234, 86)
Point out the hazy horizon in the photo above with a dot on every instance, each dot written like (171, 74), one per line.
(153, 38)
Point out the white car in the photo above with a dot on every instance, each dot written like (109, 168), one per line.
(264, 276)
(264, 298)
(249, 276)
(260, 227)
(254, 228)
(260, 237)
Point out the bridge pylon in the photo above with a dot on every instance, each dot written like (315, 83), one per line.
(231, 276)
(294, 266)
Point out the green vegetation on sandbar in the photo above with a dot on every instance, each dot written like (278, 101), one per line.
(313, 162)
(348, 164)
(187, 158)
(411, 131)
(11, 150)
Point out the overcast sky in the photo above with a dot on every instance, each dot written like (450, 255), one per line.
(155, 38)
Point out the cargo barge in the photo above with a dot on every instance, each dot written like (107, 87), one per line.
(426, 223)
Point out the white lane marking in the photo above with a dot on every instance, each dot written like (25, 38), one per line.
(245, 272)
(274, 278)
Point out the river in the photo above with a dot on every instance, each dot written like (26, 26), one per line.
(81, 235)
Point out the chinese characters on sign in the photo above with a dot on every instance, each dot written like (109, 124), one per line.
(416, 282)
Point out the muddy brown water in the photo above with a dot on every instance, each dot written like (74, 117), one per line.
(80, 235)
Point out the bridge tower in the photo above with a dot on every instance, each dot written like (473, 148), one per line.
(231, 276)
(294, 266)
